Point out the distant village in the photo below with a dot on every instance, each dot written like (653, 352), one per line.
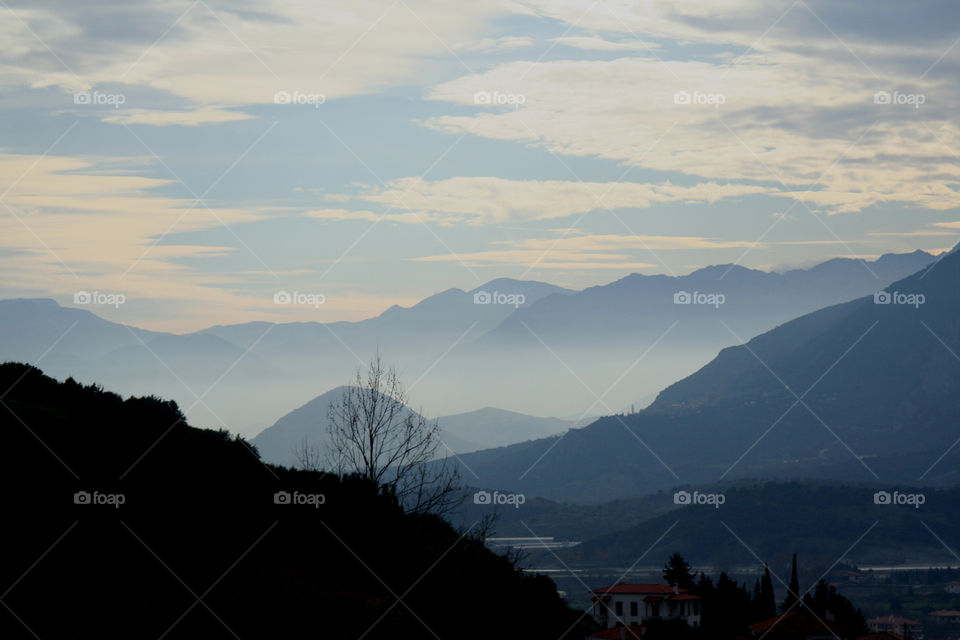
(685, 607)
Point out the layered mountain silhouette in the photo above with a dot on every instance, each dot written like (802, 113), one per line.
(586, 353)
(864, 391)
(484, 428)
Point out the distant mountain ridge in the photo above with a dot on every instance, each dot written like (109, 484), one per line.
(488, 427)
(557, 352)
(878, 387)
(760, 300)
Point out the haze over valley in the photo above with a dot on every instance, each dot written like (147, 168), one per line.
(540, 319)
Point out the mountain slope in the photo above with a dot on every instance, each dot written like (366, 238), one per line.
(460, 433)
(121, 501)
(36, 326)
(309, 424)
(491, 427)
(820, 522)
(629, 338)
(879, 384)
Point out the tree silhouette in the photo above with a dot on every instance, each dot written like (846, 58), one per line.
(374, 434)
(767, 607)
(793, 593)
(677, 572)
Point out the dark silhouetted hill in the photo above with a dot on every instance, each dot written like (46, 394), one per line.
(199, 547)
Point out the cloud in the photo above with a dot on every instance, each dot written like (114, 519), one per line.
(602, 242)
(561, 260)
(490, 45)
(580, 251)
(339, 215)
(94, 222)
(221, 53)
(592, 43)
(486, 200)
(817, 27)
(791, 123)
(188, 118)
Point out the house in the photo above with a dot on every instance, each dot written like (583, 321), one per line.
(796, 624)
(952, 587)
(626, 604)
(906, 629)
(945, 616)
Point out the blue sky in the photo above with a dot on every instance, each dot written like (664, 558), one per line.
(377, 152)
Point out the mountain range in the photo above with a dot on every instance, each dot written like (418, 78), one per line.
(590, 352)
(863, 391)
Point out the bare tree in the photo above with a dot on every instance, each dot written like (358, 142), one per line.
(375, 434)
(309, 456)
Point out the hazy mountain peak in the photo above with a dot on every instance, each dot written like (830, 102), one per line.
(48, 302)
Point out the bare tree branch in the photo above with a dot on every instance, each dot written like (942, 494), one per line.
(309, 457)
(375, 434)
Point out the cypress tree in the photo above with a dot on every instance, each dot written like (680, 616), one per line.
(793, 594)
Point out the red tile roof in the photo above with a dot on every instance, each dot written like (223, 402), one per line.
(944, 612)
(792, 622)
(639, 589)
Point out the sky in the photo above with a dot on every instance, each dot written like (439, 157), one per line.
(195, 158)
